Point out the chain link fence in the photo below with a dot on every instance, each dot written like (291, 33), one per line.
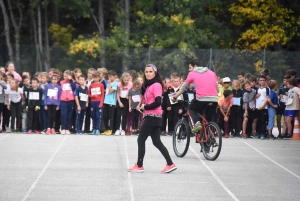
(226, 63)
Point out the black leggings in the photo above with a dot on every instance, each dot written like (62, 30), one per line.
(51, 111)
(15, 109)
(151, 126)
(135, 118)
(6, 117)
(122, 112)
(108, 116)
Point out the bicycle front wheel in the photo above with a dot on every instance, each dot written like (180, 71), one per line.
(212, 147)
(181, 138)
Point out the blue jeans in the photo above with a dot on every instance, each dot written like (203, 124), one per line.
(96, 114)
(79, 120)
(271, 114)
(43, 117)
(66, 109)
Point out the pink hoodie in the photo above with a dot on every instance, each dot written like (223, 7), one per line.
(206, 83)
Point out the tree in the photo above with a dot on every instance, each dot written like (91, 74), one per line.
(7, 31)
(267, 23)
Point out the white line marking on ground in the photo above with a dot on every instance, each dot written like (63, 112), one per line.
(4, 137)
(128, 173)
(215, 176)
(44, 169)
(272, 160)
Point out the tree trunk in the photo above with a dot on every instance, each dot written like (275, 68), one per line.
(47, 49)
(38, 59)
(40, 35)
(17, 27)
(102, 33)
(125, 64)
(6, 30)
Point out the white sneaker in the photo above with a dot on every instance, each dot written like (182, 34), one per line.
(8, 130)
(63, 132)
(117, 132)
(122, 132)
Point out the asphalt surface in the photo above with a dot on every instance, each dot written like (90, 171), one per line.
(85, 167)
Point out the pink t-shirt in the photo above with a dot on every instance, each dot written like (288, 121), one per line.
(16, 75)
(225, 104)
(123, 92)
(151, 93)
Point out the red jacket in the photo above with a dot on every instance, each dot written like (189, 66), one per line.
(96, 93)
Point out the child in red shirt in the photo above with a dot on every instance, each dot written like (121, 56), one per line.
(96, 94)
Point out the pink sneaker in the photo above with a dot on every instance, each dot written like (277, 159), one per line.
(169, 168)
(53, 131)
(136, 168)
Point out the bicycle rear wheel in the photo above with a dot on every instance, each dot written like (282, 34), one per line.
(212, 147)
(181, 138)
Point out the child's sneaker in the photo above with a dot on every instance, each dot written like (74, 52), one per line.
(256, 136)
(93, 132)
(63, 132)
(122, 132)
(97, 132)
(197, 127)
(37, 132)
(136, 168)
(226, 135)
(29, 132)
(48, 131)
(117, 132)
(8, 130)
(68, 132)
(169, 168)
(24, 131)
(44, 131)
(53, 131)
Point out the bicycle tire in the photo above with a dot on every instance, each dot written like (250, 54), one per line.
(208, 147)
(181, 135)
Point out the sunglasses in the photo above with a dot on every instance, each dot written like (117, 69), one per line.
(226, 82)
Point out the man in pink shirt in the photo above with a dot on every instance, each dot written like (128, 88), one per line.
(206, 92)
(11, 70)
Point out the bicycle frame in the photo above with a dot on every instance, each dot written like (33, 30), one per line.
(203, 130)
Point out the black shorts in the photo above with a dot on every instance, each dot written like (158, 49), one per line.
(280, 111)
(252, 114)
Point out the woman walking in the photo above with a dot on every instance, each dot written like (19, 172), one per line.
(152, 91)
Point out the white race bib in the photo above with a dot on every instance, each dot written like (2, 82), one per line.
(67, 87)
(236, 101)
(136, 98)
(124, 94)
(34, 95)
(52, 92)
(284, 98)
(83, 97)
(96, 91)
(191, 97)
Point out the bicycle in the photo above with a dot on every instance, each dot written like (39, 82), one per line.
(209, 137)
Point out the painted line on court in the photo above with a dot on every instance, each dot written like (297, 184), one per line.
(4, 137)
(128, 173)
(292, 173)
(44, 169)
(215, 176)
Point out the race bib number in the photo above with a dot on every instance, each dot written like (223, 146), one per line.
(236, 101)
(51, 93)
(83, 97)
(96, 91)
(124, 94)
(34, 95)
(136, 98)
(66, 87)
(191, 97)
(284, 98)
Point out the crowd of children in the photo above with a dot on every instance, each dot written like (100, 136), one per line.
(54, 102)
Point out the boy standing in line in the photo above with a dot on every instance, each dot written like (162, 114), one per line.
(110, 102)
(81, 99)
(26, 87)
(262, 95)
(96, 94)
(87, 122)
(33, 98)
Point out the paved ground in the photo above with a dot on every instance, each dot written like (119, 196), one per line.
(61, 167)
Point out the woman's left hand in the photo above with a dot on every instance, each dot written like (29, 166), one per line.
(142, 107)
